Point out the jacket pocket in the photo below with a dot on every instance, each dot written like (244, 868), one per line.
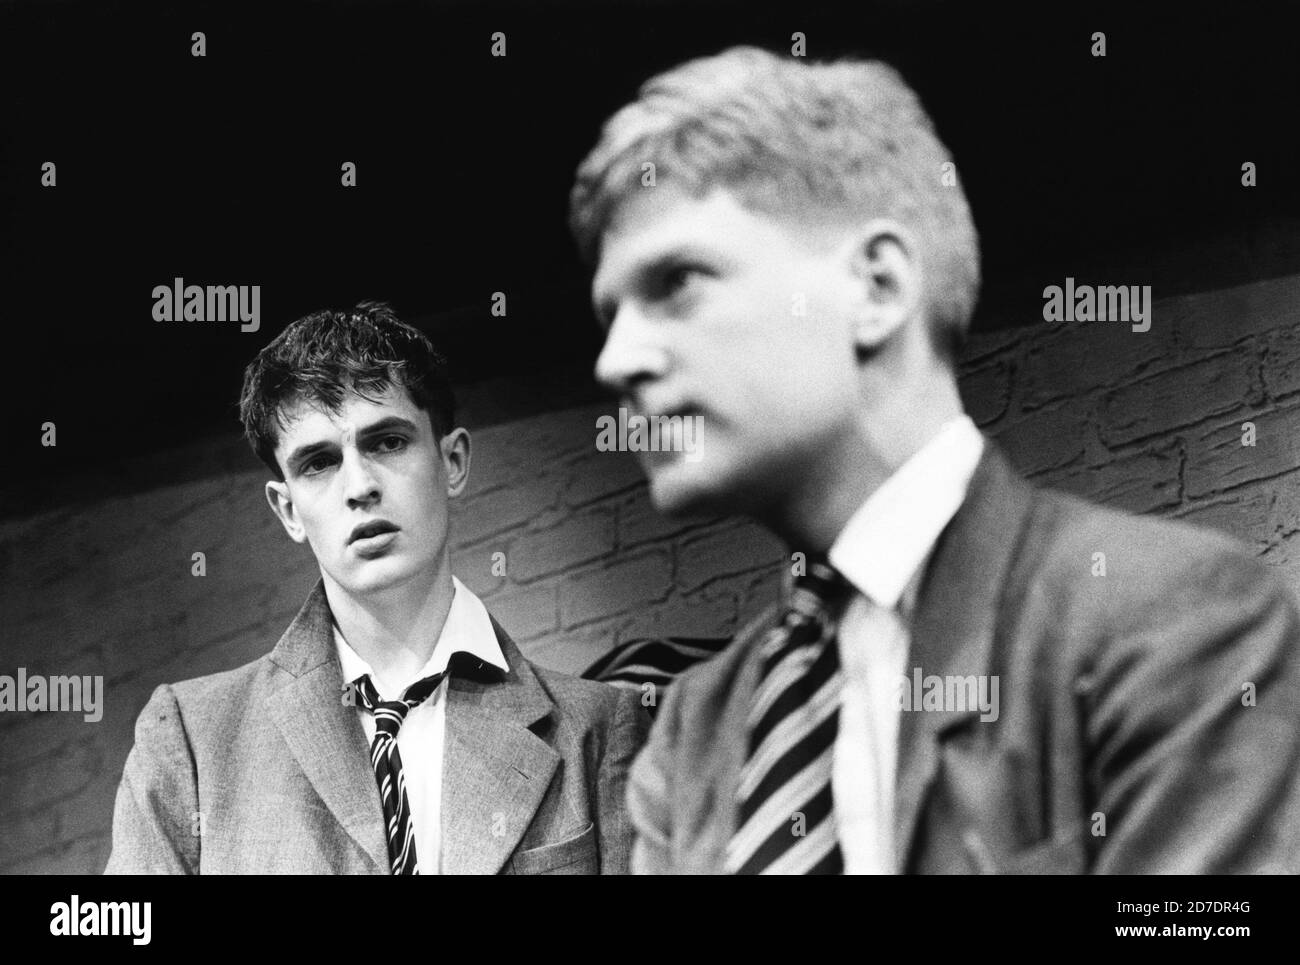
(977, 816)
(1055, 856)
(574, 856)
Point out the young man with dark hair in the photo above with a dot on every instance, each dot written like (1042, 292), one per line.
(395, 727)
(799, 276)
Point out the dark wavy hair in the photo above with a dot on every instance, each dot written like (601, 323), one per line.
(322, 357)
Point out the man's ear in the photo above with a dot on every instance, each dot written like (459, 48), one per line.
(884, 259)
(277, 494)
(455, 458)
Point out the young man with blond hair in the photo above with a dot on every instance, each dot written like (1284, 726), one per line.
(800, 274)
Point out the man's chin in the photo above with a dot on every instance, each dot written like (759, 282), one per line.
(676, 491)
(375, 576)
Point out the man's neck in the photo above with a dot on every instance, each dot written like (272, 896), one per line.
(828, 494)
(395, 630)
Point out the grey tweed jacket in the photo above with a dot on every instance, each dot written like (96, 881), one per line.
(263, 769)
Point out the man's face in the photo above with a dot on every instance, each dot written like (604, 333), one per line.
(367, 488)
(717, 311)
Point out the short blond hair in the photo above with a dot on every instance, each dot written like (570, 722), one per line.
(845, 140)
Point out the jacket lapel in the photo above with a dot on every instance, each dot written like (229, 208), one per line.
(495, 768)
(323, 734)
(954, 622)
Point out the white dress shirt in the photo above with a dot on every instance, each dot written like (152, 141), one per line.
(420, 739)
(882, 551)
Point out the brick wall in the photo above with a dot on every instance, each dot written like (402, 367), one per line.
(1150, 422)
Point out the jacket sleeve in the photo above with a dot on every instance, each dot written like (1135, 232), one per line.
(1193, 722)
(156, 821)
(649, 804)
(628, 734)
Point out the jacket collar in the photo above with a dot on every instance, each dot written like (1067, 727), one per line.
(495, 767)
(955, 620)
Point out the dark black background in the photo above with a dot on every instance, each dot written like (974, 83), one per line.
(225, 170)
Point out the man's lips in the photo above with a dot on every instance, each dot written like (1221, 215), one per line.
(375, 527)
(672, 445)
(662, 411)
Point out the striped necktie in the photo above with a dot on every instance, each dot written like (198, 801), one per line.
(786, 819)
(387, 762)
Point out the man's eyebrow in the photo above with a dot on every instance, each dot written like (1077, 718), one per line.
(304, 452)
(387, 424)
(646, 268)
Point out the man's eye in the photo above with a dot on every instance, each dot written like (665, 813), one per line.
(678, 277)
(391, 444)
(316, 465)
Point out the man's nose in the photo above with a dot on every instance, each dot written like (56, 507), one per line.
(361, 486)
(631, 354)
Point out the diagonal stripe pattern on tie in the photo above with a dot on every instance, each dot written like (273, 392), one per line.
(786, 817)
(387, 763)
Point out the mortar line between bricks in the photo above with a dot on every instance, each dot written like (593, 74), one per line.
(614, 494)
(777, 565)
(59, 847)
(691, 529)
(1142, 372)
(1015, 391)
(1214, 422)
(1181, 450)
(1228, 490)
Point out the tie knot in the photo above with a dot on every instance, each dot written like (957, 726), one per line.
(389, 714)
(819, 591)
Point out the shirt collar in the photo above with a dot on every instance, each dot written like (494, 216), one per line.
(883, 546)
(468, 629)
